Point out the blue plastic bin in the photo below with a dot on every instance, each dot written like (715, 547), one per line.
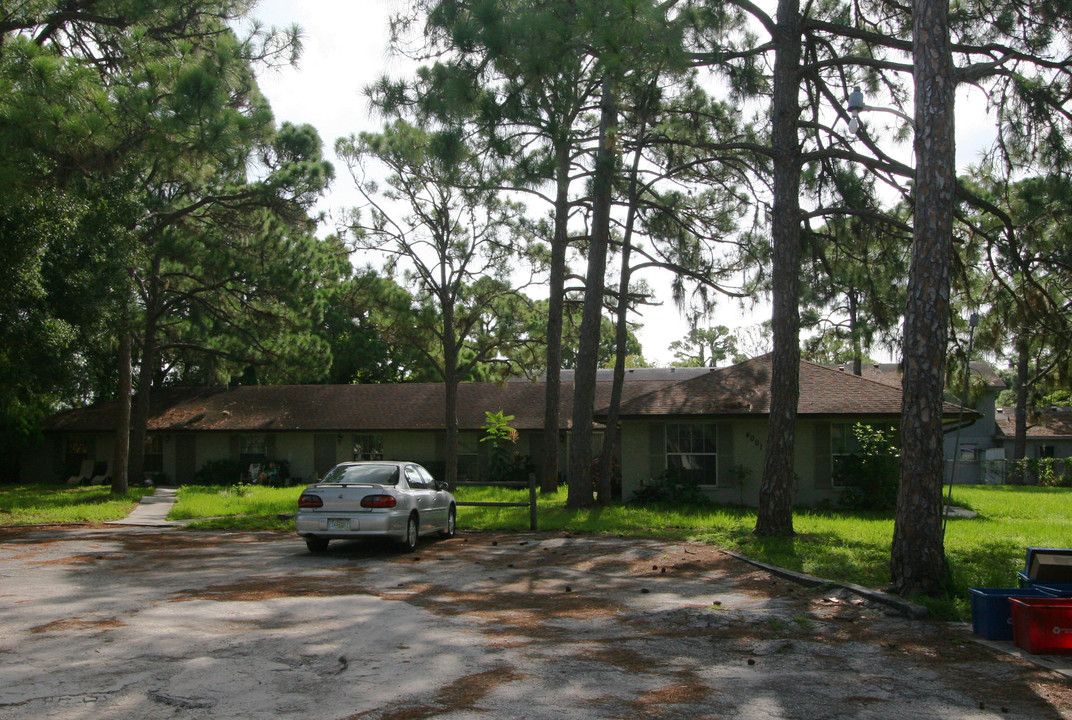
(992, 613)
(1059, 590)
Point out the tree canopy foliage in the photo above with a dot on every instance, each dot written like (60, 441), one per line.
(149, 194)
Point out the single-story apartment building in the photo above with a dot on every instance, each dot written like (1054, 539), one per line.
(710, 424)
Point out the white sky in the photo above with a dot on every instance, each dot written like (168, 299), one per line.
(346, 49)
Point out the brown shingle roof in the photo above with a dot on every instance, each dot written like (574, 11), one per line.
(744, 389)
(330, 408)
(1053, 423)
(890, 373)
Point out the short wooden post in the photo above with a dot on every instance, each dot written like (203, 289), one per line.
(532, 502)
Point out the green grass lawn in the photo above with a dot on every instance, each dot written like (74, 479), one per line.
(985, 551)
(49, 504)
(237, 507)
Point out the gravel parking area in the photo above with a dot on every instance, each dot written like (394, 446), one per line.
(138, 623)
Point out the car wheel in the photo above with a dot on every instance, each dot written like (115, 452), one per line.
(452, 522)
(316, 544)
(409, 542)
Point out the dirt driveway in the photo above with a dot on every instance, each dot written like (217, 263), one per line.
(142, 624)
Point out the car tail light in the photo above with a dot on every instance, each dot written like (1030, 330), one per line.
(310, 501)
(378, 501)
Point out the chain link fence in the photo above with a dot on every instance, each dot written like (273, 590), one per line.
(1049, 472)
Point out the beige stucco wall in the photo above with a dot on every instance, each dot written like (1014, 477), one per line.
(748, 442)
(297, 450)
(212, 446)
(806, 492)
(635, 457)
(749, 438)
(416, 446)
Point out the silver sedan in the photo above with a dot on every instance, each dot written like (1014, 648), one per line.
(398, 500)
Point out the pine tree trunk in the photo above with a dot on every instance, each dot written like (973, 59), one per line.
(775, 516)
(621, 336)
(854, 332)
(122, 424)
(917, 563)
(450, 388)
(1019, 443)
(584, 384)
(139, 416)
(555, 302)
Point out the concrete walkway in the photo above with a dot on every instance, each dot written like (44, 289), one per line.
(153, 510)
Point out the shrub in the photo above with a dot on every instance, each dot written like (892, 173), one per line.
(506, 466)
(871, 475)
(1048, 472)
(221, 472)
(669, 489)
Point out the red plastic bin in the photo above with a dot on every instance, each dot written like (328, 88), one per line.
(1042, 626)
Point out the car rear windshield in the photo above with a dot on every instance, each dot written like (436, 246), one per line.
(362, 475)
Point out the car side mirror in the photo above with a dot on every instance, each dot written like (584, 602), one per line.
(440, 485)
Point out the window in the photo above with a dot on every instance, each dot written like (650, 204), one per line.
(1046, 451)
(75, 450)
(843, 440)
(469, 456)
(252, 450)
(368, 446)
(154, 454)
(429, 481)
(415, 479)
(692, 452)
(362, 475)
(843, 443)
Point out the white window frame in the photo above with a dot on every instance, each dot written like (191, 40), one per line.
(253, 448)
(469, 463)
(370, 444)
(708, 437)
(841, 447)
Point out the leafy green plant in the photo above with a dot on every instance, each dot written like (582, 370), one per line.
(505, 464)
(1047, 472)
(497, 428)
(871, 475)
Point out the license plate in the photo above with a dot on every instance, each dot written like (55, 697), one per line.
(338, 524)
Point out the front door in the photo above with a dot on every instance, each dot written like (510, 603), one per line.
(185, 459)
(323, 454)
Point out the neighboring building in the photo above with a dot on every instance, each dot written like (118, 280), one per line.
(709, 423)
(1049, 432)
